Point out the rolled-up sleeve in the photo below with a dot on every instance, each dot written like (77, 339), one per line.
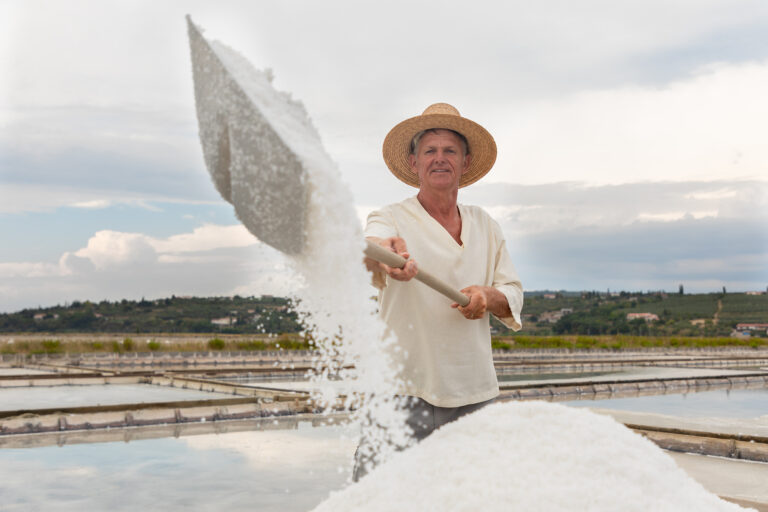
(506, 281)
(380, 225)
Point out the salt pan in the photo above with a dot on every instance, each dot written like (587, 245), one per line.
(529, 456)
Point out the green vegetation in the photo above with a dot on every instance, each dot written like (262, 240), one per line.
(600, 314)
(216, 344)
(588, 315)
(225, 315)
(52, 346)
(621, 342)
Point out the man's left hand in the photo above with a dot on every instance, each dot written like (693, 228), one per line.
(478, 302)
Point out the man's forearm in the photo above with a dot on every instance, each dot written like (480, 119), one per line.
(497, 302)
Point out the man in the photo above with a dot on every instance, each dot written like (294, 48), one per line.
(445, 348)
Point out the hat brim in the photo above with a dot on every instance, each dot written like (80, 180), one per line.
(397, 146)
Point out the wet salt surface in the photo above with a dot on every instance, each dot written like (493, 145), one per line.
(4, 370)
(45, 397)
(269, 470)
(721, 403)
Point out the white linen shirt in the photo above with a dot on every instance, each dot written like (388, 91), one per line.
(446, 359)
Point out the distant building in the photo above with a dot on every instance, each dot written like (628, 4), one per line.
(648, 317)
(553, 316)
(752, 327)
(39, 316)
(755, 293)
(699, 322)
(550, 296)
(224, 321)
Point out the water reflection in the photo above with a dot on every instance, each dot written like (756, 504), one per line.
(512, 377)
(40, 397)
(720, 403)
(271, 470)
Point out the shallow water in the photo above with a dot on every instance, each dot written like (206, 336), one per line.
(513, 377)
(265, 470)
(721, 403)
(43, 397)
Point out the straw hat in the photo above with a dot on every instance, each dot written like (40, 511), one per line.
(397, 144)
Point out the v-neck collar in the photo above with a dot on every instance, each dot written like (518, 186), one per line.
(462, 215)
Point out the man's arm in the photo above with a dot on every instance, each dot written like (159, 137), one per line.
(398, 246)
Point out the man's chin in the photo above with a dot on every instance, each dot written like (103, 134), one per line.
(441, 180)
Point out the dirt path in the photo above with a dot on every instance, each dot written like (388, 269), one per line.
(716, 318)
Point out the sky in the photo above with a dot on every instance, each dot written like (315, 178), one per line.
(631, 146)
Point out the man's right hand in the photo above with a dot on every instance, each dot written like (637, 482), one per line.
(396, 245)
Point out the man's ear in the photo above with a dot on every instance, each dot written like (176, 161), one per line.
(412, 162)
(467, 161)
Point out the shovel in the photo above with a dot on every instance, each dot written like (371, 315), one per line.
(249, 148)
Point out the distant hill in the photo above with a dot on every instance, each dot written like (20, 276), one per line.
(651, 313)
(544, 313)
(228, 315)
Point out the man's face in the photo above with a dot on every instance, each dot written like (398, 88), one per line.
(439, 161)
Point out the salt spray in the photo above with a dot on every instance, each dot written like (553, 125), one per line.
(334, 296)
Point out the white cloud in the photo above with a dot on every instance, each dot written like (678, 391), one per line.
(47, 197)
(710, 126)
(564, 206)
(210, 260)
(94, 204)
(108, 249)
(673, 216)
(281, 450)
(723, 193)
(9, 270)
(205, 238)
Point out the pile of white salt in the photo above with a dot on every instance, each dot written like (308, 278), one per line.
(529, 456)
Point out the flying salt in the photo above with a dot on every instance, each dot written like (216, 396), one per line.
(266, 158)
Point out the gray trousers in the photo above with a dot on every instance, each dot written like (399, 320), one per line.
(423, 419)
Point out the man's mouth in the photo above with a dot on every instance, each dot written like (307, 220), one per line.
(440, 170)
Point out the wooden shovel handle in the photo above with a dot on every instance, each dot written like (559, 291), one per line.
(387, 257)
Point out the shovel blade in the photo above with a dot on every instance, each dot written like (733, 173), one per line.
(249, 161)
